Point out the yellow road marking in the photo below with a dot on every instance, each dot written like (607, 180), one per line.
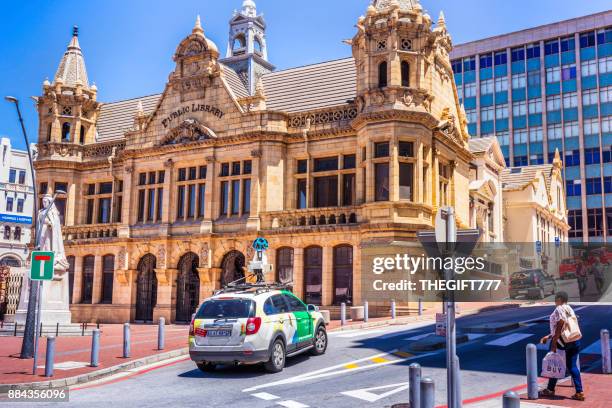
(378, 360)
(350, 366)
(403, 354)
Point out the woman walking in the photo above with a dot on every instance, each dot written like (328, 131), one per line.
(564, 335)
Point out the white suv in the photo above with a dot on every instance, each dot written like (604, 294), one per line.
(256, 325)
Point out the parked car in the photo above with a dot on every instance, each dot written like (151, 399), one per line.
(567, 268)
(531, 283)
(255, 326)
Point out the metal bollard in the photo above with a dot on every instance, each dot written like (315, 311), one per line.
(57, 329)
(458, 383)
(511, 400)
(532, 371)
(50, 357)
(393, 313)
(420, 307)
(161, 334)
(427, 393)
(95, 347)
(126, 340)
(414, 386)
(82, 329)
(365, 311)
(15, 331)
(606, 364)
(342, 314)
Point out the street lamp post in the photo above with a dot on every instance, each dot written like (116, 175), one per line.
(27, 345)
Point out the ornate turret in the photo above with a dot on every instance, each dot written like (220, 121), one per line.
(68, 107)
(247, 51)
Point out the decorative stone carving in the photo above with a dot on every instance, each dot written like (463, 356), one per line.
(161, 255)
(447, 125)
(417, 97)
(204, 255)
(164, 276)
(257, 153)
(188, 131)
(104, 150)
(121, 258)
(123, 276)
(325, 117)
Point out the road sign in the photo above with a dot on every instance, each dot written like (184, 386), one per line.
(41, 265)
(557, 242)
(539, 247)
(440, 324)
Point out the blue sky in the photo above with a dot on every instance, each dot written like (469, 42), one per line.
(128, 45)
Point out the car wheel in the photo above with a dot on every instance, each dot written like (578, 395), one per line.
(320, 342)
(206, 366)
(277, 357)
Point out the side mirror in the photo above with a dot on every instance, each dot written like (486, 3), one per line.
(313, 308)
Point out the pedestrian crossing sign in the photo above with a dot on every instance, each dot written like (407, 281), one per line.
(41, 265)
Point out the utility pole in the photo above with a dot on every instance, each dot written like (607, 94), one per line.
(27, 345)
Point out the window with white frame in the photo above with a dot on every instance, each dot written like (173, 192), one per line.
(570, 100)
(471, 115)
(501, 111)
(487, 113)
(460, 92)
(520, 136)
(570, 129)
(519, 108)
(605, 124)
(535, 134)
(589, 97)
(568, 72)
(605, 65)
(503, 137)
(470, 90)
(486, 87)
(555, 131)
(553, 103)
(501, 84)
(519, 81)
(591, 126)
(605, 94)
(588, 68)
(553, 74)
(535, 106)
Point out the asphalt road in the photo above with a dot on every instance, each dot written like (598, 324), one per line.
(362, 368)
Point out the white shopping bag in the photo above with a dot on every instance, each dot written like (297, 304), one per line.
(553, 365)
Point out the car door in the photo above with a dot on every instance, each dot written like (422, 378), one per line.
(303, 320)
(284, 320)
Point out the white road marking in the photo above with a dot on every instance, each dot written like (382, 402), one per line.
(419, 337)
(359, 333)
(292, 404)
(509, 339)
(265, 396)
(366, 395)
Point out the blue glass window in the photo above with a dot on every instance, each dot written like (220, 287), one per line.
(536, 159)
(457, 66)
(572, 158)
(604, 36)
(486, 61)
(591, 156)
(607, 155)
(469, 64)
(551, 47)
(608, 185)
(568, 44)
(572, 189)
(520, 161)
(501, 58)
(518, 54)
(593, 186)
(533, 51)
(587, 39)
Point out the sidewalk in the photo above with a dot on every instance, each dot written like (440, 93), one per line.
(72, 354)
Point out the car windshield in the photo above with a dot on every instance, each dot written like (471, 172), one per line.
(226, 309)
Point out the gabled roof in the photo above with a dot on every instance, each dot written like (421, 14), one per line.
(235, 83)
(118, 117)
(517, 178)
(317, 86)
(480, 144)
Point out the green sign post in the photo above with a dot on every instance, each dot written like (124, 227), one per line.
(41, 265)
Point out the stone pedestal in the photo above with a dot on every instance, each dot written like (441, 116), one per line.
(55, 305)
(357, 313)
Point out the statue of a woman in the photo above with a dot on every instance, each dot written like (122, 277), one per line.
(51, 234)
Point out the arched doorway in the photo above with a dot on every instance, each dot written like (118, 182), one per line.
(313, 275)
(187, 287)
(146, 288)
(343, 274)
(233, 267)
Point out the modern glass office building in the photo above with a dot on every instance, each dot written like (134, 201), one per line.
(547, 88)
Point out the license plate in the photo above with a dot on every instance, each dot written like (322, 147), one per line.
(219, 333)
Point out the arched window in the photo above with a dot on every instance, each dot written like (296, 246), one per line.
(239, 43)
(7, 232)
(82, 135)
(10, 261)
(284, 262)
(70, 277)
(405, 73)
(66, 132)
(87, 280)
(313, 275)
(108, 268)
(343, 274)
(49, 132)
(257, 45)
(382, 74)
(17, 233)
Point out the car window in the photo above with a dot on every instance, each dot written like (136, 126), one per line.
(279, 304)
(269, 308)
(226, 308)
(295, 304)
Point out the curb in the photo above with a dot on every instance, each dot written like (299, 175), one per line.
(95, 375)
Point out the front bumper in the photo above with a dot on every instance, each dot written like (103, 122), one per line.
(237, 356)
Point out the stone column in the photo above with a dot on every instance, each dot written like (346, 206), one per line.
(328, 278)
(166, 279)
(210, 280)
(166, 199)
(357, 289)
(96, 295)
(78, 278)
(298, 272)
(394, 170)
(128, 194)
(209, 197)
